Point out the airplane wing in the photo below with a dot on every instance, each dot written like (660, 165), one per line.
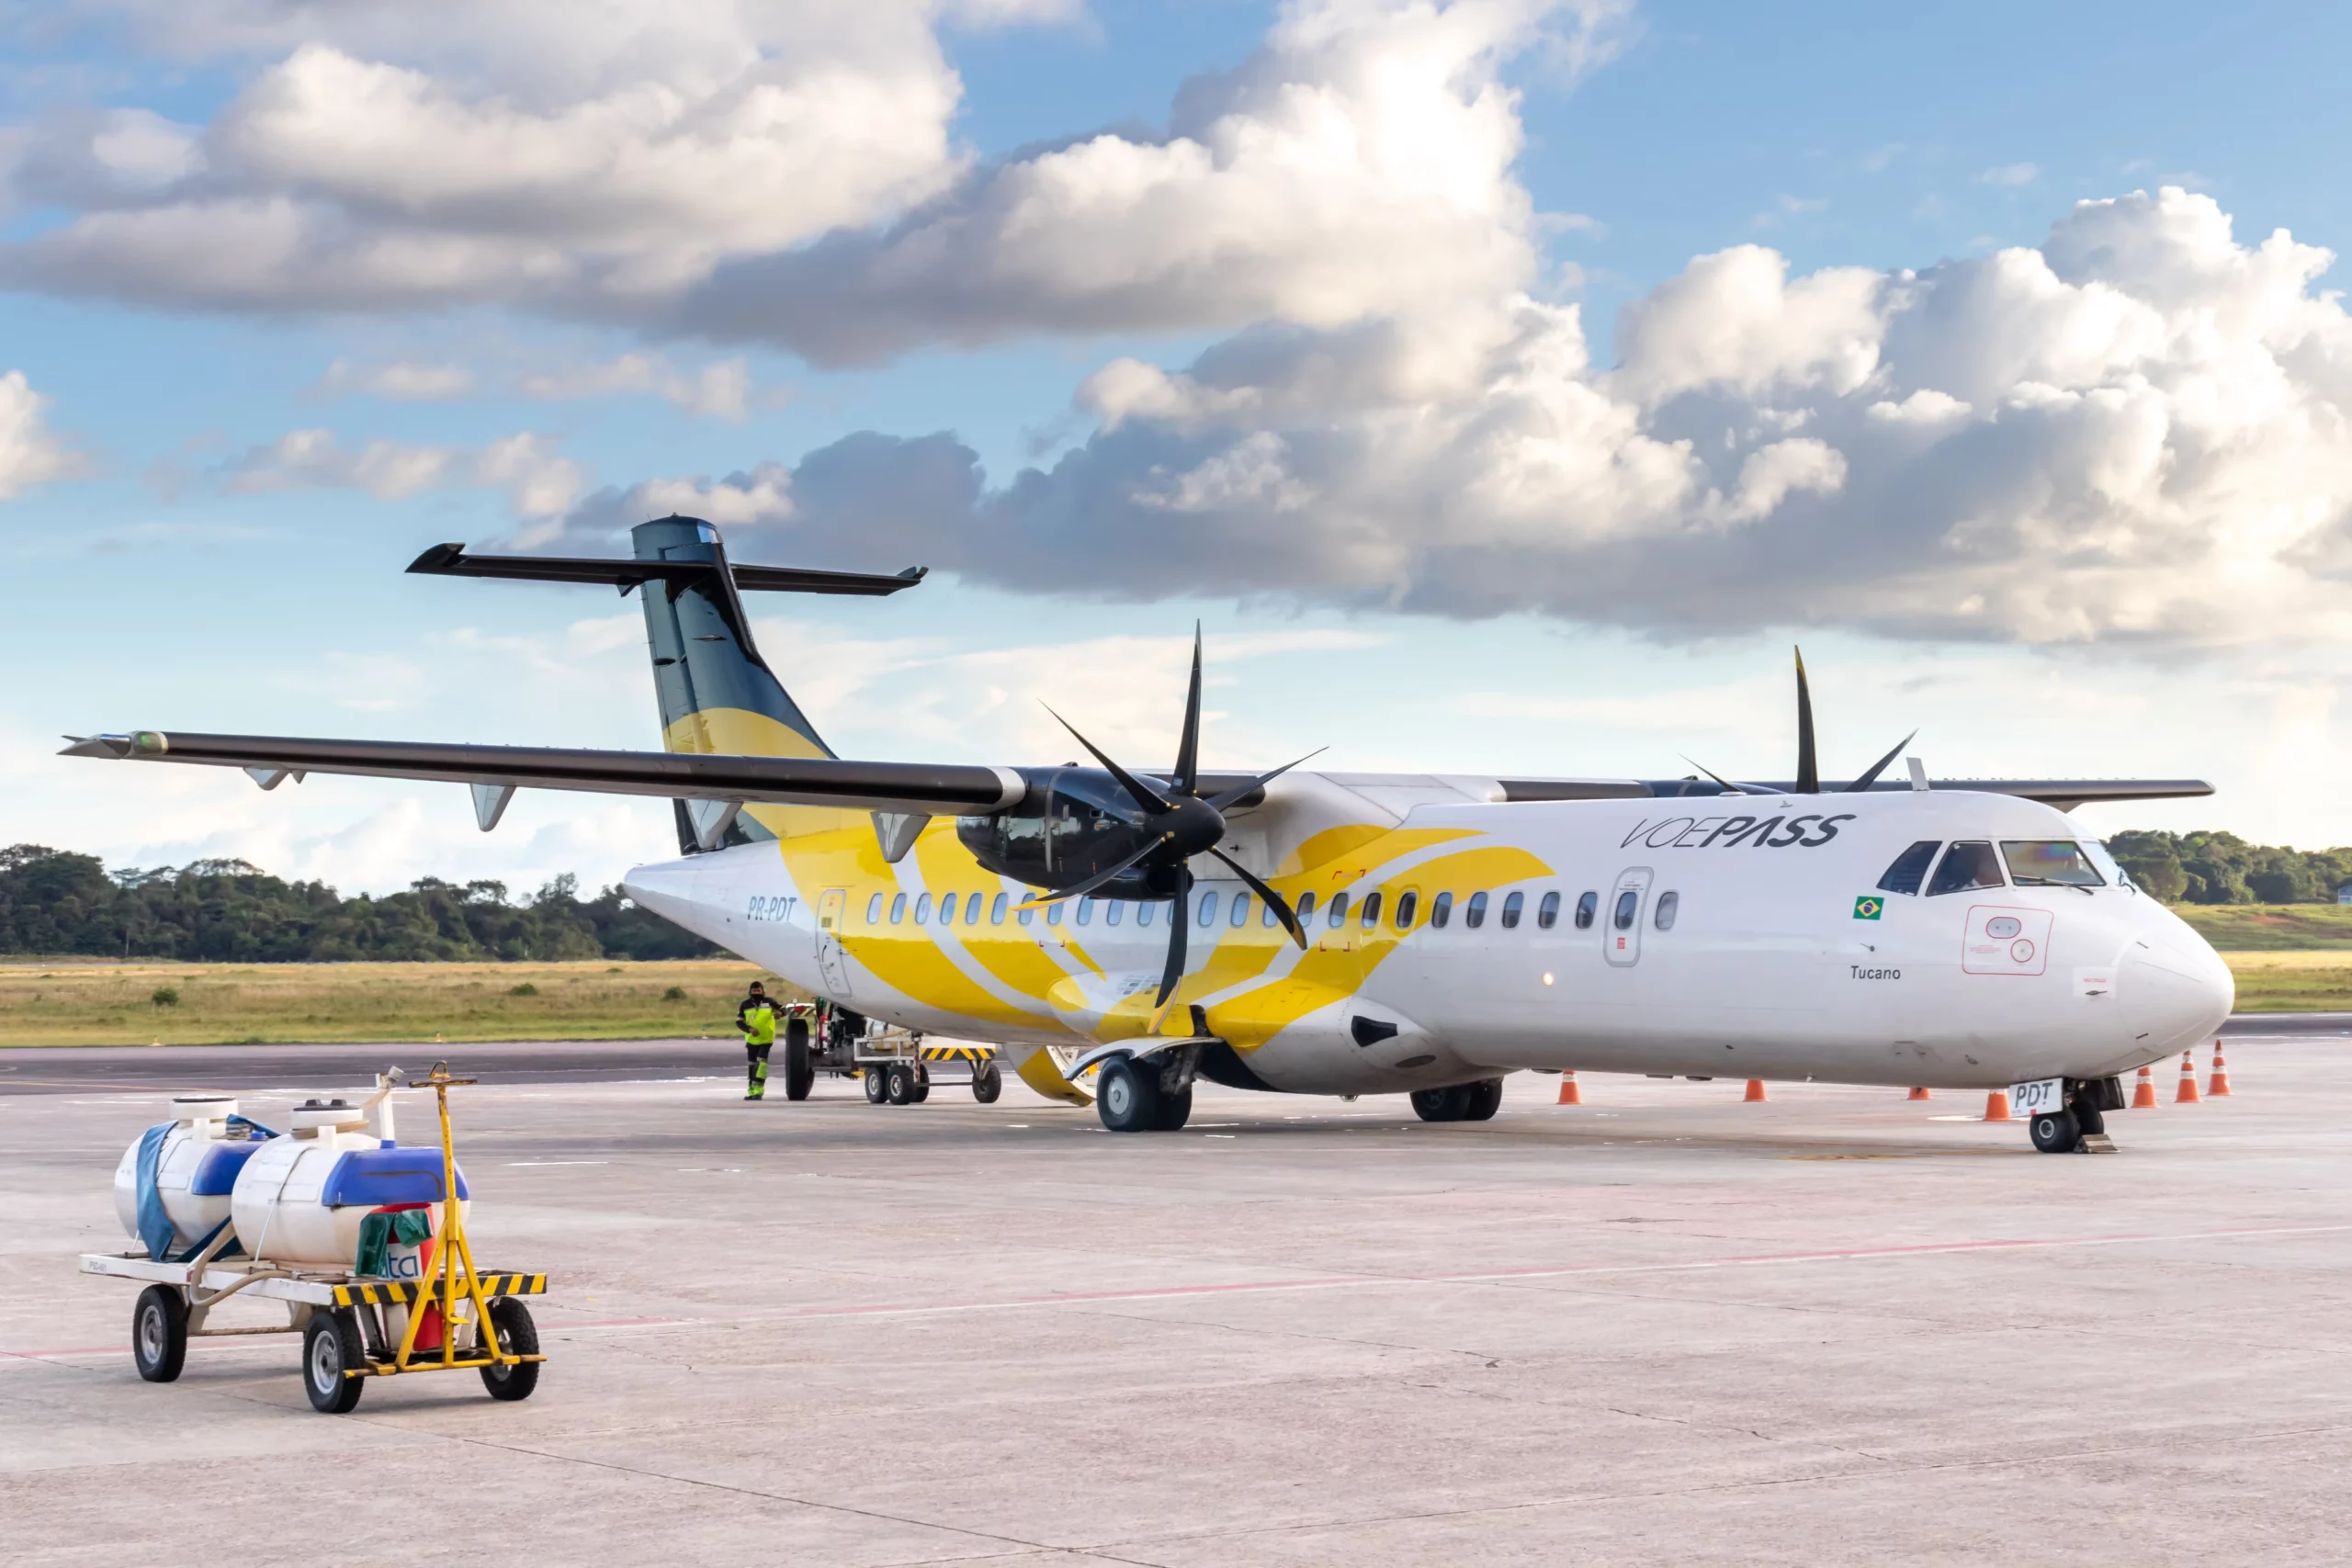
(2064, 794)
(920, 788)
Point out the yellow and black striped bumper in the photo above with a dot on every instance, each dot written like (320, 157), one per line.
(959, 1052)
(397, 1293)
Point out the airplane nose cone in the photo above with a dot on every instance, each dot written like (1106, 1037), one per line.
(2178, 996)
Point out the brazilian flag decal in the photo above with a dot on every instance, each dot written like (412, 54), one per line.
(1868, 907)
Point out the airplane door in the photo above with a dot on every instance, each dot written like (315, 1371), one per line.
(1627, 911)
(830, 960)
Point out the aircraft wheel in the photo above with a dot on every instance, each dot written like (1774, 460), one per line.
(987, 1082)
(799, 1072)
(1125, 1097)
(1480, 1101)
(875, 1087)
(922, 1083)
(2088, 1119)
(1175, 1110)
(2055, 1131)
(898, 1084)
(1441, 1104)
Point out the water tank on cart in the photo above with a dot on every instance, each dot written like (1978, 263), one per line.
(301, 1198)
(190, 1166)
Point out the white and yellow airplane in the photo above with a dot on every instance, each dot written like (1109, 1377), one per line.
(1352, 933)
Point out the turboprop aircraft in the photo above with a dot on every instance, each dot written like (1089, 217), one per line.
(1329, 932)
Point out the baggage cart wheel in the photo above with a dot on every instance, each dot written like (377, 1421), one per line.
(987, 1082)
(159, 1333)
(330, 1345)
(875, 1086)
(799, 1072)
(510, 1320)
(898, 1084)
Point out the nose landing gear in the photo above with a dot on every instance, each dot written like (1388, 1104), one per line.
(2081, 1126)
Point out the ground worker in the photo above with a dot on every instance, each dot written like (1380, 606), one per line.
(756, 1019)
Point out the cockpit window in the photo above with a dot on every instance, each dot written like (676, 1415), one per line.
(2106, 863)
(2050, 862)
(1910, 867)
(1966, 864)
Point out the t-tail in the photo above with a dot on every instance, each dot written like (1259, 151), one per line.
(718, 694)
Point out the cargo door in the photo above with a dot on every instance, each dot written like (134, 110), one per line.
(832, 961)
(1627, 910)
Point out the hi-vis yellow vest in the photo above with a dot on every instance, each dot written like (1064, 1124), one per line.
(760, 1026)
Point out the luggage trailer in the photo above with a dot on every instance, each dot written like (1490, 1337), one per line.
(896, 1066)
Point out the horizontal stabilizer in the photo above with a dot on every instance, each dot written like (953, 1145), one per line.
(451, 561)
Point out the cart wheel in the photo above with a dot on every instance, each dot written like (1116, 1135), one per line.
(799, 1072)
(159, 1333)
(898, 1084)
(330, 1345)
(512, 1322)
(987, 1082)
(875, 1086)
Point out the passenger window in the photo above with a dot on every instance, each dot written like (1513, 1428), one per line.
(1024, 915)
(972, 909)
(1266, 916)
(923, 910)
(1966, 865)
(1629, 904)
(1475, 915)
(1547, 913)
(1586, 905)
(1143, 913)
(1053, 914)
(1112, 909)
(1085, 911)
(1207, 916)
(1669, 906)
(1339, 915)
(996, 910)
(1406, 903)
(1305, 907)
(1240, 910)
(1910, 867)
(1511, 906)
(898, 908)
(874, 910)
(1371, 911)
(1441, 909)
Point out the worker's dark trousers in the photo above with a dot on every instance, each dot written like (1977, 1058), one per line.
(756, 1057)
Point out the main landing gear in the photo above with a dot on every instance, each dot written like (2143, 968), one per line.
(1461, 1102)
(1153, 1095)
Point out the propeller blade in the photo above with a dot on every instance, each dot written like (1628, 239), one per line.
(1098, 879)
(1229, 796)
(1880, 766)
(1808, 764)
(1178, 921)
(1274, 902)
(1188, 750)
(1736, 789)
(1144, 796)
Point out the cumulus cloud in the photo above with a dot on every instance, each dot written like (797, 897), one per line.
(538, 479)
(2140, 430)
(401, 380)
(721, 390)
(29, 452)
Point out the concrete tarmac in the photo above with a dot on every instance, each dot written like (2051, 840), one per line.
(1661, 1327)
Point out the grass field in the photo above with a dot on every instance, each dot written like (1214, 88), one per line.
(69, 1003)
(2292, 982)
(2271, 928)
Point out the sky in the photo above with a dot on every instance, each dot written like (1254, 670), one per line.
(1503, 387)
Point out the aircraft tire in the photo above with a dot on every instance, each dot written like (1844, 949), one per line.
(898, 1084)
(2088, 1119)
(1441, 1104)
(1127, 1099)
(799, 1072)
(1175, 1110)
(876, 1090)
(2054, 1132)
(1480, 1101)
(987, 1082)
(922, 1083)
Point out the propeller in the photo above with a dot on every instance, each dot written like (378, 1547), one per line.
(1808, 760)
(1178, 825)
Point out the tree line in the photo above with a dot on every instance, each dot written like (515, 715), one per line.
(2221, 868)
(53, 902)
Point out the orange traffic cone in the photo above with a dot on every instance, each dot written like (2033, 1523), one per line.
(2144, 1097)
(2187, 1093)
(2220, 1084)
(1570, 1093)
(1997, 1106)
(1917, 1094)
(1755, 1095)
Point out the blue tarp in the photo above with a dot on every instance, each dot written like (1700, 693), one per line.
(155, 1227)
